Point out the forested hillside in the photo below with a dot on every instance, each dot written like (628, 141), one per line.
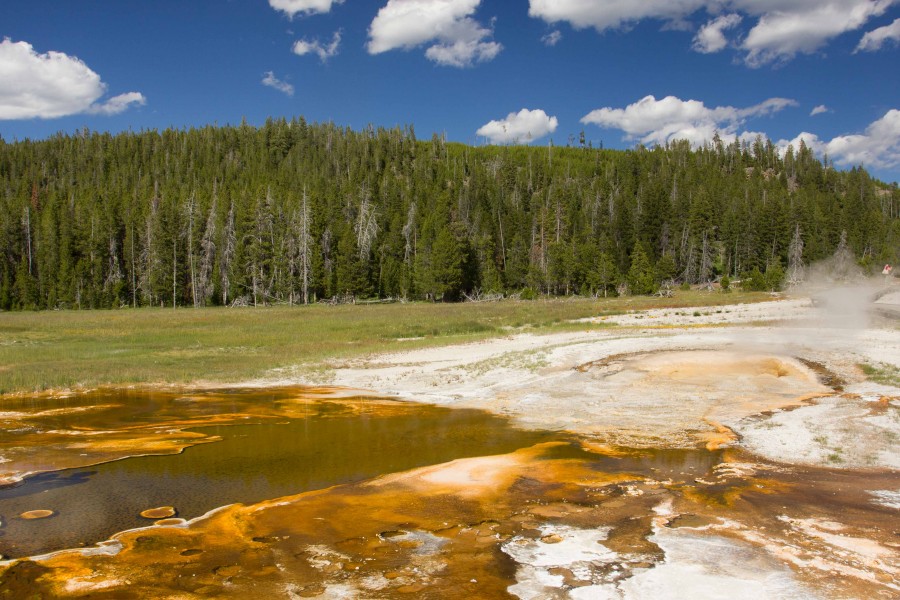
(295, 212)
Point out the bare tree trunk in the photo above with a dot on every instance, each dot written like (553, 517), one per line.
(174, 269)
(207, 260)
(227, 254)
(133, 277)
(26, 221)
(502, 243)
(191, 249)
(93, 273)
(148, 259)
(305, 243)
(366, 225)
(291, 241)
(114, 276)
(409, 232)
(689, 273)
(705, 260)
(795, 259)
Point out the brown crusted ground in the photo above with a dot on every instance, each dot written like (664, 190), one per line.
(436, 532)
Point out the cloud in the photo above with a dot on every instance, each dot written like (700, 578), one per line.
(51, 85)
(780, 29)
(118, 104)
(324, 52)
(878, 147)
(818, 110)
(653, 121)
(710, 37)
(610, 14)
(522, 127)
(782, 34)
(873, 40)
(271, 81)
(552, 38)
(292, 8)
(457, 39)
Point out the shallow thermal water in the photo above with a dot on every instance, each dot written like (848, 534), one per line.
(346, 496)
(250, 463)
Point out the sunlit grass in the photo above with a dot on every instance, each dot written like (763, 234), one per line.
(882, 373)
(71, 349)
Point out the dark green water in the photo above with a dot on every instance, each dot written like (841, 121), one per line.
(260, 461)
(251, 463)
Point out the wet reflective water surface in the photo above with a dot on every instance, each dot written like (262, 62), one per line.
(329, 494)
(335, 441)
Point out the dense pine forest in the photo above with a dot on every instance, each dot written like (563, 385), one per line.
(293, 212)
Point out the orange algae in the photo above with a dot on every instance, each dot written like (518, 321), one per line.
(104, 431)
(722, 437)
(36, 514)
(437, 531)
(425, 527)
(161, 512)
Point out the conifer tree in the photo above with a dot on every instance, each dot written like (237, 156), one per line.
(641, 278)
(216, 214)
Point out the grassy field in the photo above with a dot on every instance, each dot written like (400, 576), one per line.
(882, 373)
(72, 349)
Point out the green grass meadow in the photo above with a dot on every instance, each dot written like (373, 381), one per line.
(78, 349)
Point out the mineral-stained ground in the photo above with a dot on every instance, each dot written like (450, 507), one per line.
(734, 452)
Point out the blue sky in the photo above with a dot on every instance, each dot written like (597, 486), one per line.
(481, 71)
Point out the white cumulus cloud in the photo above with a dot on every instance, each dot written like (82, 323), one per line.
(292, 8)
(873, 40)
(818, 110)
(54, 84)
(269, 80)
(781, 34)
(323, 51)
(878, 146)
(455, 38)
(711, 37)
(521, 127)
(653, 121)
(778, 29)
(552, 38)
(118, 104)
(610, 14)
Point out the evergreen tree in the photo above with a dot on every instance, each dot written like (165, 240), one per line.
(641, 277)
(292, 211)
(603, 275)
(447, 266)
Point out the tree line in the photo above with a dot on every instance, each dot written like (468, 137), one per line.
(295, 212)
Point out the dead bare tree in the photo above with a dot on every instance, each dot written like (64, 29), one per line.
(685, 247)
(114, 272)
(842, 263)
(227, 253)
(327, 260)
(208, 254)
(796, 271)
(690, 263)
(366, 227)
(26, 224)
(133, 273)
(304, 246)
(409, 234)
(190, 208)
(149, 259)
(706, 260)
